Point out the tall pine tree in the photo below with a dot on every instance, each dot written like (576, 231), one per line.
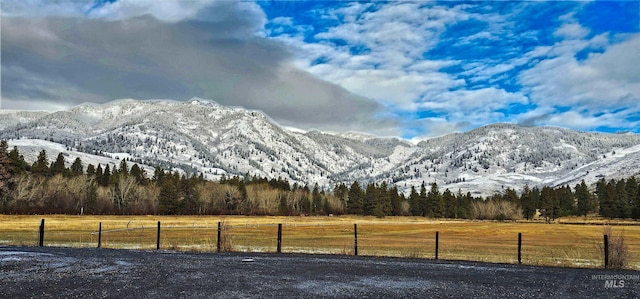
(41, 165)
(415, 205)
(5, 175)
(356, 199)
(606, 198)
(583, 197)
(633, 192)
(370, 197)
(58, 166)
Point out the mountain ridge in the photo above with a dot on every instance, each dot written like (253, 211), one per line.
(203, 136)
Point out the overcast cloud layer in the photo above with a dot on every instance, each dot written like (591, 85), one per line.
(410, 69)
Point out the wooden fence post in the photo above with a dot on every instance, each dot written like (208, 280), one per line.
(279, 249)
(606, 251)
(437, 243)
(218, 249)
(41, 234)
(158, 238)
(355, 239)
(519, 248)
(100, 235)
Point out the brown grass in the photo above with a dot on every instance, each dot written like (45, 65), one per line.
(617, 248)
(414, 237)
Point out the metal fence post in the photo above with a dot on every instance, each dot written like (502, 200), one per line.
(100, 235)
(437, 243)
(519, 248)
(606, 251)
(158, 238)
(355, 239)
(279, 249)
(41, 234)
(218, 249)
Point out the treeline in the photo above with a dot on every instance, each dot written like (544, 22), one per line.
(44, 187)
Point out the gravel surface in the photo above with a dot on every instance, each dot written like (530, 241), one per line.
(50, 272)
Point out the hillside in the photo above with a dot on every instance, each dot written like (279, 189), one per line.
(203, 136)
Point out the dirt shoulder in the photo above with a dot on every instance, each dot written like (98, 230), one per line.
(49, 272)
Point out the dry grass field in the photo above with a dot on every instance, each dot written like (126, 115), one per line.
(542, 244)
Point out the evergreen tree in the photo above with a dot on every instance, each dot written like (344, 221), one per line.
(567, 202)
(305, 203)
(464, 205)
(58, 166)
(5, 175)
(383, 201)
(450, 204)
(77, 168)
(425, 205)
(527, 204)
(91, 170)
(356, 199)
(158, 175)
(190, 195)
(536, 197)
(511, 195)
(606, 198)
(316, 199)
(18, 164)
(623, 208)
(415, 205)
(396, 200)
(92, 198)
(105, 179)
(583, 197)
(633, 192)
(244, 195)
(436, 202)
(550, 203)
(99, 173)
(41, 165)
(283, 207)
(370, 197)
(124, 168)
(341, 192)
(168, 203)
(139, 174)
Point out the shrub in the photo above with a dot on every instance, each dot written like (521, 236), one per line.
(496, 210)
(226, 244)
(618, 249)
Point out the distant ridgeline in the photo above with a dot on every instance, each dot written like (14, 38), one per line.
(44, 187)
(204, 137)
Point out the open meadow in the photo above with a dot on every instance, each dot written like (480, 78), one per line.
(573, 245)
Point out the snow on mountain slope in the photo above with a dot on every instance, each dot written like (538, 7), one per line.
(203, 136)
(12, 117)
(30, 149)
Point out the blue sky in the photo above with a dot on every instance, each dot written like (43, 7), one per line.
(412, 69)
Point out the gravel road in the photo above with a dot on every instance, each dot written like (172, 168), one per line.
(50, 272)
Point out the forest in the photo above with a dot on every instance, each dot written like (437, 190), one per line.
(48, 188)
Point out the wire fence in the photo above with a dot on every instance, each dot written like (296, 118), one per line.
(563, 245)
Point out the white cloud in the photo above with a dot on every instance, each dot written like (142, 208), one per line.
(167, 10)
(609, 79)
(44, 8)
(599, 85)
(392, 68)
(571, 31)
(395, 37)
(585, 120)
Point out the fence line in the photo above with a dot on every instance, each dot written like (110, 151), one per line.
(279, 238)
(215, 227)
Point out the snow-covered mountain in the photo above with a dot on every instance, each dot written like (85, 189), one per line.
(203, 136)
